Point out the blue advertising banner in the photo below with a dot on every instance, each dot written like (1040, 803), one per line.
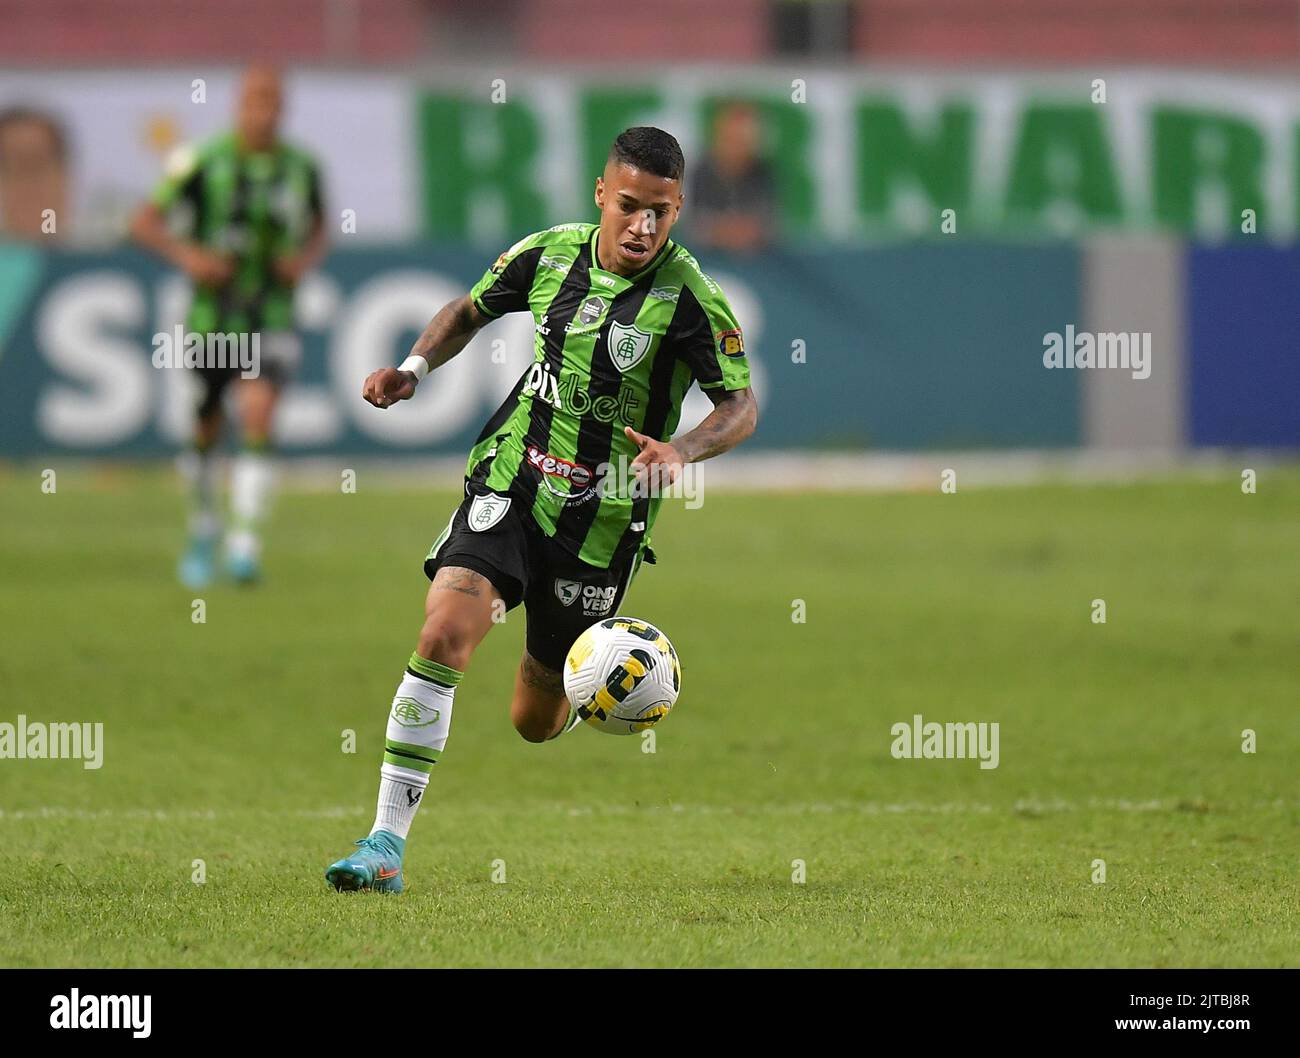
(1243, 324)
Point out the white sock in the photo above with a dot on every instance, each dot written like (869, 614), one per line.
(418, 725)
(251, 481)
(400, 794)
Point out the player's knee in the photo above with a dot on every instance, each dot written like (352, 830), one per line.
(533, 728)
(446, 640)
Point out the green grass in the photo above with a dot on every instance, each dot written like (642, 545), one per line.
(1119, 742)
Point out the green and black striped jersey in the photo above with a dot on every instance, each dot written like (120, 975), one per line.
(609, 351)
(256, 206)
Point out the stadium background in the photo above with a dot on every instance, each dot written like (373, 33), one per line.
(885, 349)
(448, 136)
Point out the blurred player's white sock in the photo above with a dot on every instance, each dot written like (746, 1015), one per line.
(250, 493)
(418, 725)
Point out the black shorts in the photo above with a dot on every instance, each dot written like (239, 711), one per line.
(279, 353)
(562, 595)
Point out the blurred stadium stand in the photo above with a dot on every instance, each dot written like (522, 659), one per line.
(1227, 32)
(1110, 31)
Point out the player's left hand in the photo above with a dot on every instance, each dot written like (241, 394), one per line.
(658, 464)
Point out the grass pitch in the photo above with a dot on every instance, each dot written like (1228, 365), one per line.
(1119, 742)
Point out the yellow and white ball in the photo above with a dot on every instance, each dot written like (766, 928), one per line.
(622, 676)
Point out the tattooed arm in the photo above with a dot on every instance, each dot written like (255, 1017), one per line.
(449, 331)
(733, 418)
(445, 336)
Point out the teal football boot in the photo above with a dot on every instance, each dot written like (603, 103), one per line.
(243, 569)
(196, 565)
(377, 866)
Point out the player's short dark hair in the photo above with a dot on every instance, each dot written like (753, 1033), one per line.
(651, 149)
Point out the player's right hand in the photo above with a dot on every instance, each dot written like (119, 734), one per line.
(207, 267)
(387, 386)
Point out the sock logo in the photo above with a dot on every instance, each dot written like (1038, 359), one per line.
(413, 796)
(408, 712)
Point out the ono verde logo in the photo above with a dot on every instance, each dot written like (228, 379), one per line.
(412, 713)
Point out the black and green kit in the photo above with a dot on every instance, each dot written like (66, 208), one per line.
(255, 206)
(550, 509)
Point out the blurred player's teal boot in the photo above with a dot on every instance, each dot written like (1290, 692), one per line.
(377, 866)
(196, 565)
(243, 569)
(242, 562)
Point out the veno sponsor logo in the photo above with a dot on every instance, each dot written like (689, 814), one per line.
(556, 467)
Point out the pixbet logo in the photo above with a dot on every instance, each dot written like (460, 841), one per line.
(563, 394)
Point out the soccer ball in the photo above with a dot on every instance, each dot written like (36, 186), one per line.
(622, 676)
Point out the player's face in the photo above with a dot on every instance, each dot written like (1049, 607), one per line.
(259, 109)
(637, 211)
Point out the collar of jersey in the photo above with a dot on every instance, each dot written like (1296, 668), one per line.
(242, 151)
(659, 259)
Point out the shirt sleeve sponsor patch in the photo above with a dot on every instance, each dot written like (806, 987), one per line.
(731, 343)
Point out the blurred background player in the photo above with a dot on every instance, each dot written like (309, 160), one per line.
(249, 208)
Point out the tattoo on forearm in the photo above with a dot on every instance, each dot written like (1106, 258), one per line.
(730, 422)
(447, 333)
(535, 674)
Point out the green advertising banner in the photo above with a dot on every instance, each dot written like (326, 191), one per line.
(858, 156)
(481, 154)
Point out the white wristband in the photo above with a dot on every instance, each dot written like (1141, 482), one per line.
(417, 365)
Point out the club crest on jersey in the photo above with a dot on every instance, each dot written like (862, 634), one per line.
(628, 345)
(731, 343)
(567, 590)
(486, 511)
